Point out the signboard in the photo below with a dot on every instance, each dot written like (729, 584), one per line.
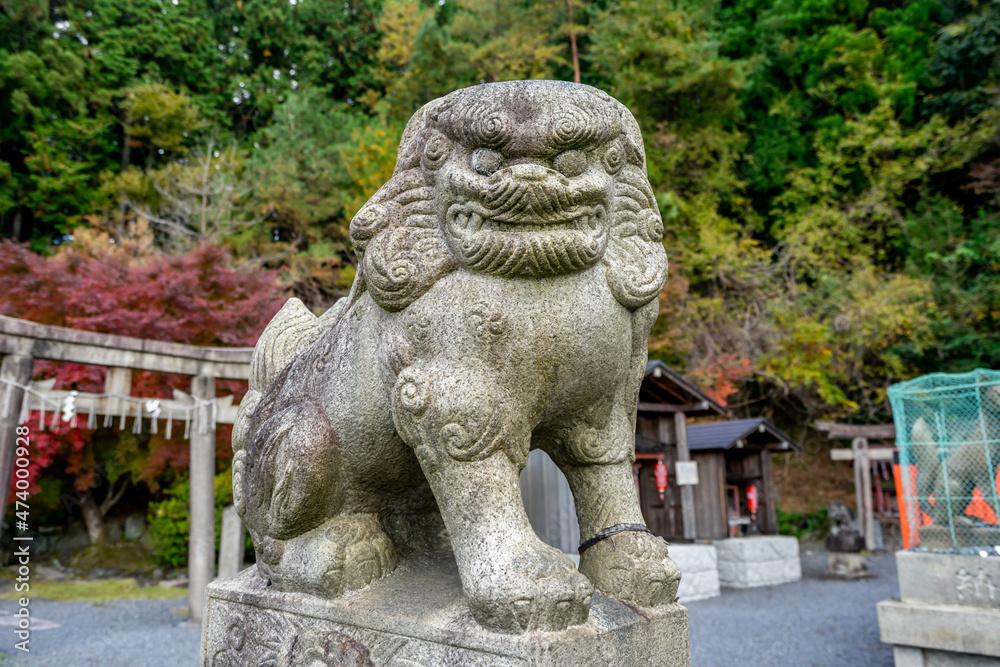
(687, 472)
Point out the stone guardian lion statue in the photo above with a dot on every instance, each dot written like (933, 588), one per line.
(506, 287)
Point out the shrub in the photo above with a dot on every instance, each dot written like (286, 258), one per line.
(799, 525)
(168, 520)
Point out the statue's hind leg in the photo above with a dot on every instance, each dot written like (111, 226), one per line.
(344, 553)
(292, 501)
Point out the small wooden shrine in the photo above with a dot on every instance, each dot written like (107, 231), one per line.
(719, 480)
(695, 481)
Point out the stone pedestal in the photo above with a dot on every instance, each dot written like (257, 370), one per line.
(699, 564)
(948, 614)
(417, 616)
(764, 560)
(847, 565)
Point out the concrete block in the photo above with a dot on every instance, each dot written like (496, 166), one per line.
(908, 656)
(934, 658)
(765, 560)
(949, 579)
(417, 615)
(694, 558)
(699, 565)
(940, 627)
(912, 656)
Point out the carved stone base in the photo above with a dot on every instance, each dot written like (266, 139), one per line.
(417, 616)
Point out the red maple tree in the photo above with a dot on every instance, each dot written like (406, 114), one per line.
(198, 298)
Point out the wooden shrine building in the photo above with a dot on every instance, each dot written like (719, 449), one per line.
(710, 468)
(713, 468)
(666, 401)
(734, 465)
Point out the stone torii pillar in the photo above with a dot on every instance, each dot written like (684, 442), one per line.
(16, 368)
(201, 540)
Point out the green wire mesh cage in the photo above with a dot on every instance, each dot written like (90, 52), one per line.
(948, 436)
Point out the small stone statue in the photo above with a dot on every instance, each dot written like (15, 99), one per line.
(845, 544)
(507, 283)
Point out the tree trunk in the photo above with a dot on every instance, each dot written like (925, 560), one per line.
(204, 191)
(94, 518)
(17, 224)
(572, 43)
(126, 152)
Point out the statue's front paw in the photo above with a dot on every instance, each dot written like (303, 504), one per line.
(535, 587)
(633, 567)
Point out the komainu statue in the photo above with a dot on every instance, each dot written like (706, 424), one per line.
(507, 282)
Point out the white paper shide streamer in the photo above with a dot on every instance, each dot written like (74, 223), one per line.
(66, 408)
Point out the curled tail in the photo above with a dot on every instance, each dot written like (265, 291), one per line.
(292, 330)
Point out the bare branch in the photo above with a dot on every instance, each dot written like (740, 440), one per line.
(113, 497)
(170, 224)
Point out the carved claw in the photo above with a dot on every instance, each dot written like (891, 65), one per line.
(538, 588)
(633, 567)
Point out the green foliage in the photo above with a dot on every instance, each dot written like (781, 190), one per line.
(168, 525)
(301, 170)
(966, 62)
(82, 83)
(813, 524)
(168, 520)
(154, 114)
(827, 171)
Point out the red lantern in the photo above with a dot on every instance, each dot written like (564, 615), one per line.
(752, 503)
(661, 477)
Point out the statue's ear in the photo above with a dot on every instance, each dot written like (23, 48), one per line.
(411, 144)
(636, 266)
(635, 262)
(401, 253)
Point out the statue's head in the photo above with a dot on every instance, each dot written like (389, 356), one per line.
(516, 179)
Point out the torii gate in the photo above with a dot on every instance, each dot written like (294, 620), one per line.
(22, 342)
(862, 456)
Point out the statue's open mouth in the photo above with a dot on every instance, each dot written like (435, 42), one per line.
(472, 217)
(531, 244)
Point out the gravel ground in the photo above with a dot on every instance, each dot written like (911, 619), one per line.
(813, 622)
(126, 633)
(809, 623)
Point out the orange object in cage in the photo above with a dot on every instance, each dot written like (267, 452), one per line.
(977, 507)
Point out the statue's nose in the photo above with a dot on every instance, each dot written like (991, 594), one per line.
(529, 172)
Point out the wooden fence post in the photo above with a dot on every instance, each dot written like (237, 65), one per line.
(16, 368)
(687, 493)
(201, 539)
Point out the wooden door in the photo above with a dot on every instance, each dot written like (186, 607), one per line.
(663, 517)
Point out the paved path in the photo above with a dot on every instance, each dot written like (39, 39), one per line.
(809, 623)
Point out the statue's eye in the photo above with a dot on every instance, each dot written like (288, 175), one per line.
(571, 163)
(486, 161)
